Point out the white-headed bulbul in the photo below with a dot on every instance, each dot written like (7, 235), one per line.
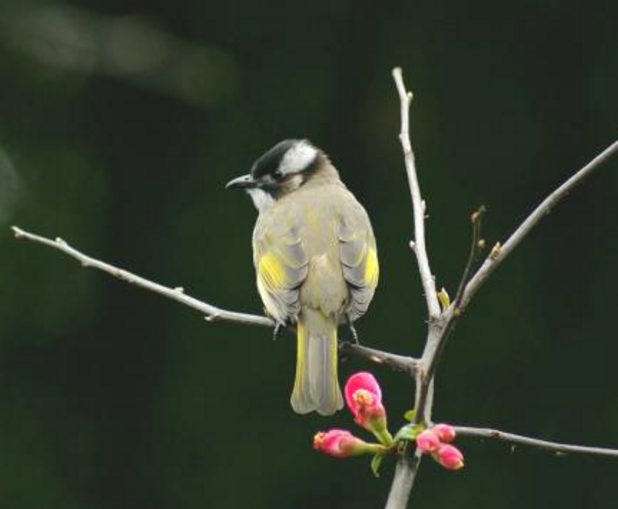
(316, 261)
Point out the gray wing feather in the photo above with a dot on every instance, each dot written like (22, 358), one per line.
(281, 298)
(355, 240)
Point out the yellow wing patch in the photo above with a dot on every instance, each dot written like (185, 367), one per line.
(271, 271)
(372, 268)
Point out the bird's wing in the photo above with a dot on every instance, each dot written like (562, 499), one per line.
(281, 266)
(359, 260)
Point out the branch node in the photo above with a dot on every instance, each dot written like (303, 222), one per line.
(495, 251)
(19, 233)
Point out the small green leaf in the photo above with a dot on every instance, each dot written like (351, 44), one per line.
(375, 464)
(410, 415)
(409, 432)
(418, 429)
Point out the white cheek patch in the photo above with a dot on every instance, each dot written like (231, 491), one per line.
(298, 158)
(261, 199)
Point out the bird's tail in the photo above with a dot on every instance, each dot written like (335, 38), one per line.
(316, 387)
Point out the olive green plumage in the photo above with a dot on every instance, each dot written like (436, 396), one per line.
(316, 264)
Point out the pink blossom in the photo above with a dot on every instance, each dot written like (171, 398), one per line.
(339, 443)
(370, 397)
(449, 457)
(364, 398)
(428, 441)
(445, 432)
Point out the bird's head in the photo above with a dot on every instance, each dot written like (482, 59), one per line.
(284, 169)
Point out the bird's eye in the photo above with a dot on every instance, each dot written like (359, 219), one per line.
(277, 174)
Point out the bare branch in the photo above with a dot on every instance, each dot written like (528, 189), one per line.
(441, 324)
(212, 313)
(440, 330)
(499, 253)
(437, 339)
(554, 447)
(397, 362)
(429, 286)
(403, 480)
(477, 245)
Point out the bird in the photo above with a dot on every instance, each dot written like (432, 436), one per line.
(315, 258)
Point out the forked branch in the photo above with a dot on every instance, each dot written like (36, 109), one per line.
(500, 253)
(442, 322)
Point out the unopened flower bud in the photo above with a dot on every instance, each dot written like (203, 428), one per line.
(342, 444)
(445, 432)
(364, 398)
(428, 441)
(449, 457)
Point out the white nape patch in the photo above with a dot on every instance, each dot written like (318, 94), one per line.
(298, 158)
(261, 199)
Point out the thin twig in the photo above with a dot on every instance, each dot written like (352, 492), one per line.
(440, 331)
(500, 253)
(554, 447)
(476, 247)
(436, 342)
(429, 286)
(394, 361)
(212, 313)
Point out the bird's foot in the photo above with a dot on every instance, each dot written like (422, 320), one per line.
(276, 331)
(353, 333)
(350, 337)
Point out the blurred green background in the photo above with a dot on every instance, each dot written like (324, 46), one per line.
(120, 123)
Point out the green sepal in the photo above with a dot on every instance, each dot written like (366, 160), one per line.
(409, 432)
(385, 438)
(376, 461)
(410, 415)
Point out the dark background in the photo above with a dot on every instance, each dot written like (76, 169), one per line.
(120, 123)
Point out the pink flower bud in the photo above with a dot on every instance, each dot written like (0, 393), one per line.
(449, 457)
(445, 432)
(364, 398)
(372, 395)
(341, 443)
(428, 441)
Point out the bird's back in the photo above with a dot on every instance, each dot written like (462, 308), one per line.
(317, 216)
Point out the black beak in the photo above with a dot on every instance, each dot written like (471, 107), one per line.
(244, 182)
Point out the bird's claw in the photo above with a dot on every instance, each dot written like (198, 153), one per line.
(276, 331)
